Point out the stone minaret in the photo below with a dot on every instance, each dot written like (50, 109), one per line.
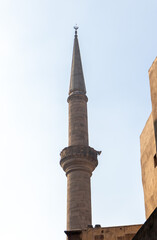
(78, 160)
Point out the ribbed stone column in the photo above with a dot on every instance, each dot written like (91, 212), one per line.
(78, 160)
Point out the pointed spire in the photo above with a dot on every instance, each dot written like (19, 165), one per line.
(77, 79)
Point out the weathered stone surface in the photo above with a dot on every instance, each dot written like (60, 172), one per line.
(79, 158)
(105, 233)
(78, 162)
(153, 89)
(78, 125)
(78, 200)
(148, 150)
(148, 142)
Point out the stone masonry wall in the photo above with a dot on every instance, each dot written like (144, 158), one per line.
(153, 89)
(148, 140)
(149, 171)
(111, 233)
(105, 233)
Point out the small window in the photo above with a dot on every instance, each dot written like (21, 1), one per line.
(155, 161)
(120, 238)
(99, 237)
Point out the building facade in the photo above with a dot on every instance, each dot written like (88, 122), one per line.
(148, 141)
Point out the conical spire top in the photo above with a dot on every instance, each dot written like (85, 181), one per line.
(76, 28)
(77, 79)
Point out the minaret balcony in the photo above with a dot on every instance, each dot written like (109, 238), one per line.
(74, 158)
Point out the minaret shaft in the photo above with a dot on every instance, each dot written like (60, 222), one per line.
(78, 200)
(78, 125)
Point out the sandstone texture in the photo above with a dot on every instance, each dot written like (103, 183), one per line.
(105, 233)
(148, 142)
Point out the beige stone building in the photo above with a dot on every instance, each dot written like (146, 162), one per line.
(79, 160)
(148, 140)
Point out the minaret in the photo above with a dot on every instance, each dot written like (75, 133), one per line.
(78, 160)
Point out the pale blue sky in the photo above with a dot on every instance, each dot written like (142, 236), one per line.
(118, 43)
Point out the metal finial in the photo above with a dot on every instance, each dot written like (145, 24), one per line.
(76, 28)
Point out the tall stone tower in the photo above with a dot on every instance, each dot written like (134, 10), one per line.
(78, 160)
(148, 141)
